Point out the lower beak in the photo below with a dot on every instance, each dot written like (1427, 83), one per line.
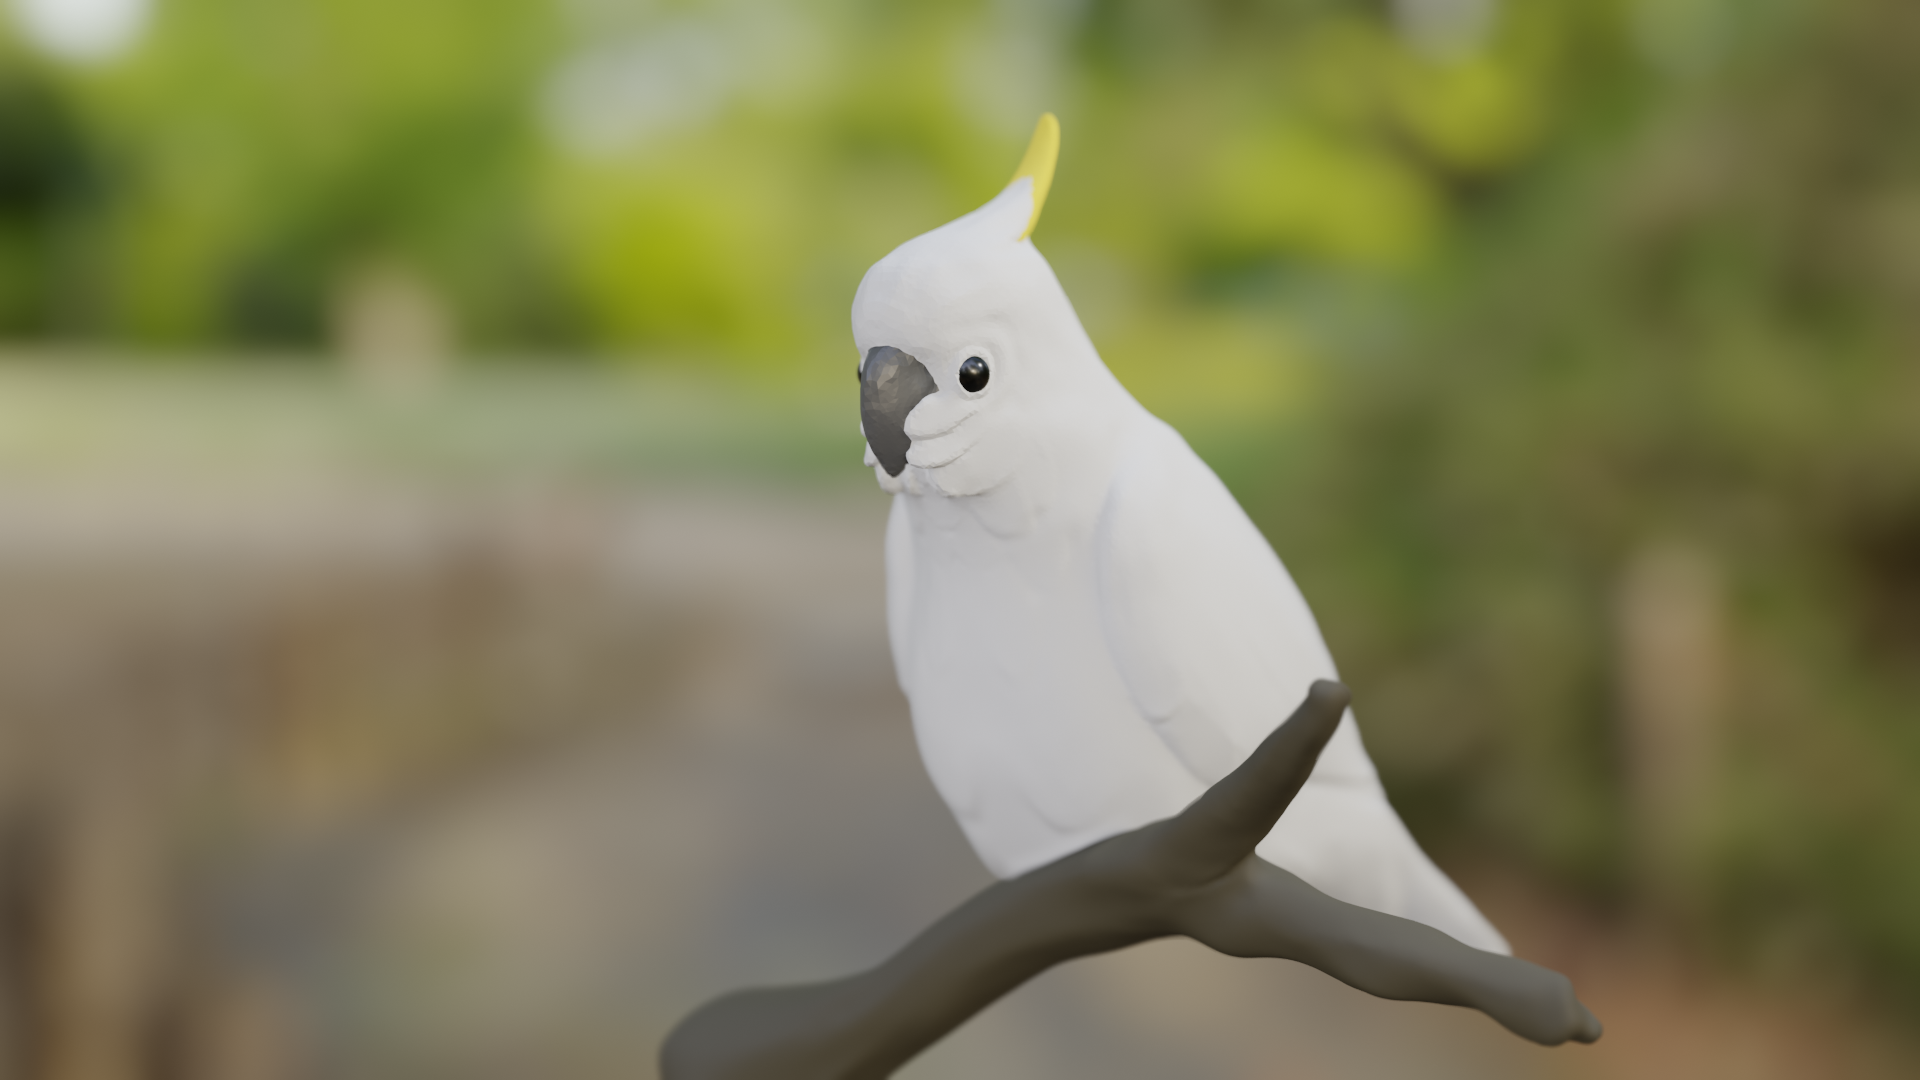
(891, 384)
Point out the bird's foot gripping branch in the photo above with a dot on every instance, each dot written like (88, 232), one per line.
(1193, 874)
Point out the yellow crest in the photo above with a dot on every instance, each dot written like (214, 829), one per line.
(1042, 153)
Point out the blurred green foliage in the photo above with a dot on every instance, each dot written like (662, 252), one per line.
(712, 178)
(1474, 304)
(1694, 324)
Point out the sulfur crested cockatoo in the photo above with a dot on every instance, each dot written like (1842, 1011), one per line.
(1088, 628)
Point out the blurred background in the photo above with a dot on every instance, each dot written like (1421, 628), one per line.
(441, 626)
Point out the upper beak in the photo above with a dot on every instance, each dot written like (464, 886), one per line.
(891, 384)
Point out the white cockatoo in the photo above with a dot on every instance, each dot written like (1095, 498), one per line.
(1088, 628)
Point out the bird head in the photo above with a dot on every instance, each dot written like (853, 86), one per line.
(970, 353)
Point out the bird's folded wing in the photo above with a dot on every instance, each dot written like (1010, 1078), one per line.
(1209, 632)
(1216, 645)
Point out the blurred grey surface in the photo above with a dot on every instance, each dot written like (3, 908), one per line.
(330, 780)
(768, 820)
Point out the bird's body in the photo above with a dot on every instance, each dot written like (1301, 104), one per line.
(1089, 630)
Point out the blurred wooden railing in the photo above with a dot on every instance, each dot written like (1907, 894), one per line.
(211, 706)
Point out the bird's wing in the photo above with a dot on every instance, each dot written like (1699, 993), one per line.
(1211, 635)
(1217, 645)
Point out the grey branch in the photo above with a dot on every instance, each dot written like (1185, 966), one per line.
(1193, 874)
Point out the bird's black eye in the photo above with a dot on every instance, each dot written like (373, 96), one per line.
(973, 374)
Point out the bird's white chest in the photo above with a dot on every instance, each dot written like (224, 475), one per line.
(1024, 722)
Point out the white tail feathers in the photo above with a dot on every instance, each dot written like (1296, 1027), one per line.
(1345, 840)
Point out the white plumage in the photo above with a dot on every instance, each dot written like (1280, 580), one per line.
(1088, 628)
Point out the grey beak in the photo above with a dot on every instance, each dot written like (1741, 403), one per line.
(891, 384)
